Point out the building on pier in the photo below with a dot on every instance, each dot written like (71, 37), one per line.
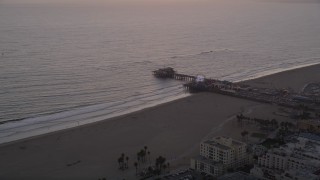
(167, 72)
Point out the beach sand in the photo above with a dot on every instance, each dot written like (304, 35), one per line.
(173, 130)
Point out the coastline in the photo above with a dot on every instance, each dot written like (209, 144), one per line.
(64, 123)
(276, 71)
(173, 129)
(52, 128)
(280, 80)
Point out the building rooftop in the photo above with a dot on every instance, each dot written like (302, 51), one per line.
(237, 176)
(310, 136)
(227, 141)
(314, 122)
(216, 144)
(224, 143)
(306, 174)
(207, 160)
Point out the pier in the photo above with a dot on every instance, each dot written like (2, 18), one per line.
(280, 97)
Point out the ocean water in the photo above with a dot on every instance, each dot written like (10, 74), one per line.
(66, 65)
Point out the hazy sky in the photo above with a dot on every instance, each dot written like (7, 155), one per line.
(132, 1)
(89, 1)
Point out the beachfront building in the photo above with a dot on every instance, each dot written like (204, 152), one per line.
(267, 174)
(207, 165)
(219, 154)
(237, 176)
(305, 137)
(281, 160)
(309, 125)
(301, 155)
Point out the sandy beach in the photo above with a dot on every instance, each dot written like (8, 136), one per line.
(173, 130)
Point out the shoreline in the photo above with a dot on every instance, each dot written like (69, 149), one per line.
(74, 124)
(276, 71)
(173, 130)
(96, 122)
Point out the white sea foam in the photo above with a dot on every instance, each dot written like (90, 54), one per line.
(16, 130)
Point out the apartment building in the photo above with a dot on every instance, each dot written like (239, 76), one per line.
(219, 154)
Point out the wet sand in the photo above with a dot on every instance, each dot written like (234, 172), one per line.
(173, 130)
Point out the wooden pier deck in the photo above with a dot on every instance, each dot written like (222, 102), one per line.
(184, 77)
(273, 96)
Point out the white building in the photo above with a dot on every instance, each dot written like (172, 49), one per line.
(286, 159)
(219, 154)
(208, 166)
(273, 160)
(301, 155)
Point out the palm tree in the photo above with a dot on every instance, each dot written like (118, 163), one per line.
(142, 154)
(136, 166)
(127, 159)
(240, 119)
(145, 148)
(138, 156)
(149, 156)
(119, 161)
(159, 162)
(138, 159)
(164, 168)
(122, 161)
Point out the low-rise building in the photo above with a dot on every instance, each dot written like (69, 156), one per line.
(206, 165)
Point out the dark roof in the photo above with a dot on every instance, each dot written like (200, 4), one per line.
(310, 136)
(218, 145)
(207, 160)
(237, 176)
